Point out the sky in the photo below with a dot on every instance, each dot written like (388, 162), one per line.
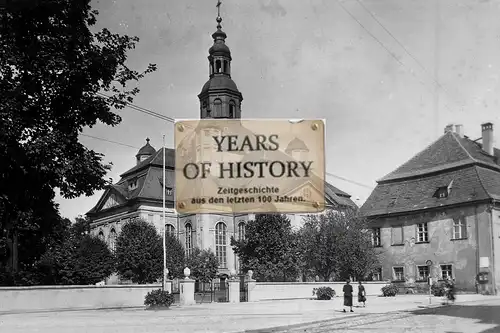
(386, 75)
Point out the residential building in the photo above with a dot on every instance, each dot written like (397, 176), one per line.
(438, 214)
(138, 194)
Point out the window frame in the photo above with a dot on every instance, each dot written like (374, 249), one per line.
(462, 224)
(221, 249)
(394, 279)
(425, 232)
(167, 225)
(452, 271)
(377, 235)
(379, 272)
(188, 238)
(241, 230)
(402, 235)
(113, 235)
(418, 277)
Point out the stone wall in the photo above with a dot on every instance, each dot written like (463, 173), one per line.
(263, 291)
(49, 298)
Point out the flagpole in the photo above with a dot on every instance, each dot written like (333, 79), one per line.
(164, 225)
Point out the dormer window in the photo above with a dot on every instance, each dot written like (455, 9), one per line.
(132, 184)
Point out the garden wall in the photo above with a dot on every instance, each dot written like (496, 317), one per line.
(48, 298)
(290, 290)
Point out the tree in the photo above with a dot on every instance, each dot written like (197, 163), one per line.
(203, 265)
(53, 70)
(338, 244)
(82, 260)
(139, 252)
(175, 256)
(270, 248)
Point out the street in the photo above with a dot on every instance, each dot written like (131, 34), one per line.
(472, 313)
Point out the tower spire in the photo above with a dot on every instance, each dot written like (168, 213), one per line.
(219, 19)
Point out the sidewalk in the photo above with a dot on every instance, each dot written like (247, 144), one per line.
(215, 317)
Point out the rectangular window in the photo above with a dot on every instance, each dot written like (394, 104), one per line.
(422, 233)
(459, 228)
(399, 273)
(397, 235)
(377, 275)
(423, 273)
(376, 237)
(150, 218)
(446, 272)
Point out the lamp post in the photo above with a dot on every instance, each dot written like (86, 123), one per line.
(164, 226)
(429, 264)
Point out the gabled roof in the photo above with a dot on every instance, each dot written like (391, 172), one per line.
(451, 161)
(449, 151)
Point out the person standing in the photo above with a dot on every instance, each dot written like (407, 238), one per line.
(361, 294)
(347, 295)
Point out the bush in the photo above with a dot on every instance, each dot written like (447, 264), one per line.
(159, 298)
(438, 289)
(324, 293)
(390, 290)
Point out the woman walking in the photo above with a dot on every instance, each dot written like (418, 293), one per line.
(361, 294)
(347, 295)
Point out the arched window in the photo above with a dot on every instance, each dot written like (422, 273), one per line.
(220, 244)
(226, 67)
(189, 239)
(218, 66)
(232, 109)
(170, 230)
(217, 108)
(241, 231)
(101, 235)
(112, 240)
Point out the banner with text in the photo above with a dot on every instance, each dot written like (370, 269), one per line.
(249, 166)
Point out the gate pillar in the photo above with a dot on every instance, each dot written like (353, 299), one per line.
(234, 291)
(186, 292)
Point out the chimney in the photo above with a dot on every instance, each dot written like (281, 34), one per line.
(459, 129)
(448, 128)
(487, 131)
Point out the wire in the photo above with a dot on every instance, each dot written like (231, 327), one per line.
(106, 140)
(387, 49)
(349, 180)
(141, 109)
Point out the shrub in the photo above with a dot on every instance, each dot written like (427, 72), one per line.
(324, 293)
(390, 290)
(438, 289)
(159, 298)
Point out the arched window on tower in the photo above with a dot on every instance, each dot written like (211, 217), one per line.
(232, 109)
(101, 235)
(220, 244)
(218, 66)
(226, 67)
(217, 108)
(112, 240)
(189, 239)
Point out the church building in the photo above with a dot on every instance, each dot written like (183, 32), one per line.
(138, 194)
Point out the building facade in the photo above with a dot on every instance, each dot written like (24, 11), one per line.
(138, 194)
(438, 215)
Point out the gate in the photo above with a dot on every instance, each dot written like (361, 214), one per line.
(243, 289)
(220, 291)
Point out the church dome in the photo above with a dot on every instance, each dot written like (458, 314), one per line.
(219, 49)
(219, 82)
(147, 149)
(296, 144)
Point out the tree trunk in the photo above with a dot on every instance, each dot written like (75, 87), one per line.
(15, 251)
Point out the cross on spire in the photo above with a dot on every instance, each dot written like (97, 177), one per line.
(218, 7)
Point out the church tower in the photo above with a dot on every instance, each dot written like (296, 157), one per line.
(220, 97)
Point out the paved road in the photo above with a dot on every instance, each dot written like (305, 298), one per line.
(400, 314)
(472, 317)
